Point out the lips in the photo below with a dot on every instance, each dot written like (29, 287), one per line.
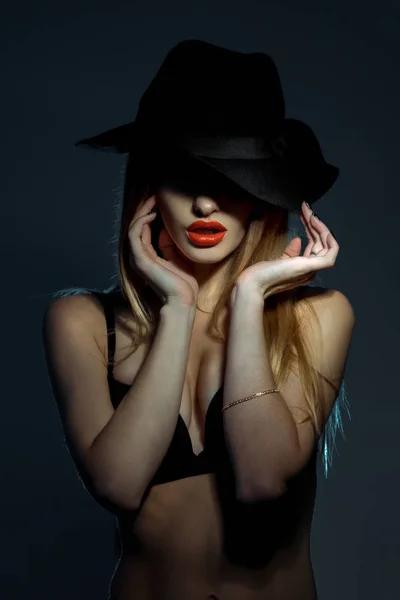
(206, 226)
(205, 239)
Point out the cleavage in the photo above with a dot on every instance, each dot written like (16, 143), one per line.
(204, 376)
(207, 360)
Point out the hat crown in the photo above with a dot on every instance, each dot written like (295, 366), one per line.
(204, 88)
(225, 110)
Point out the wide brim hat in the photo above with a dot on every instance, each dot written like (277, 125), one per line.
(225, 109)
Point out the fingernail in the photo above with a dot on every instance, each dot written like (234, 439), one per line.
(152, 212)
(308, 206)
(315, 215)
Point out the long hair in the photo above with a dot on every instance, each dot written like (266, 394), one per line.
(287, 314)
(286, 317)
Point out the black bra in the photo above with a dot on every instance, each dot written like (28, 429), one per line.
(180, 461)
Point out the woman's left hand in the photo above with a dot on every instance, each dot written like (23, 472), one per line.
(292, 270)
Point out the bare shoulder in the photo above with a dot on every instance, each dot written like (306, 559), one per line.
(327, 299)
(336, 320)
(82, 313)
(76, 307)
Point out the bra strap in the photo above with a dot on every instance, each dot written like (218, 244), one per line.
(110, 321)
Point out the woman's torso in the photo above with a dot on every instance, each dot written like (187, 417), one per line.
(190, 538)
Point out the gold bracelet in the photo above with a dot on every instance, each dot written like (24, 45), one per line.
(249, 398)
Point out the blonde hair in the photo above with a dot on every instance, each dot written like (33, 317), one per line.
(286, 314)
(286, 317)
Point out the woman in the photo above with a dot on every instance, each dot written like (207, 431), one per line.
(213, 486)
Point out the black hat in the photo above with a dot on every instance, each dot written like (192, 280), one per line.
(227, 110)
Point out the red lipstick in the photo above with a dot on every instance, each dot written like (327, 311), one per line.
(206, 233)
(206, 225)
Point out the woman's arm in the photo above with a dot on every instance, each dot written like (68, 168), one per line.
(267, 443)
(119, 449)
(131, 446)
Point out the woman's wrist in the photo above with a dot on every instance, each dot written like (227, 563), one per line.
(179, 308)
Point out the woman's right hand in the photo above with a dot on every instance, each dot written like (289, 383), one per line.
(168, 278)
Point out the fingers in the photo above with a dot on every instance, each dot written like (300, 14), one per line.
(139, 232)
(307, 214)
(314, 243)
(146, 207)
(317, 233)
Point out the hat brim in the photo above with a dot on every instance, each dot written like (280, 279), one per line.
(119, 139)
(275, 180)
(277, 183)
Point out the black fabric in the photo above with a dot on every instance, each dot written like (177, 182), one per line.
(225, 109)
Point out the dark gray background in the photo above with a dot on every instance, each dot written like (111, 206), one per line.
(72, 69)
